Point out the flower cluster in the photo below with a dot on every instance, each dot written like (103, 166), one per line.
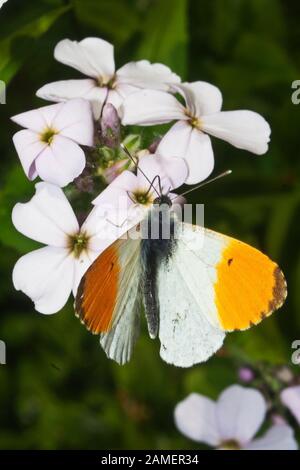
(85, 138)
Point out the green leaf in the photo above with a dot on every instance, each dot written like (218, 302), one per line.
(17, 45)
(110, 17)
(281, 218)
(263, 342)
(210, 378)
(165, 35)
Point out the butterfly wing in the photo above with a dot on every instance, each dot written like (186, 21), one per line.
(108, 299)
(185, 334)
(212, 283)
(237, 283)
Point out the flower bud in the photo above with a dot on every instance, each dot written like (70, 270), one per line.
(245, 374)
(110, 126)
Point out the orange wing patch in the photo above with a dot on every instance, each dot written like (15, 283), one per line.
(97, 292)
(249, 286)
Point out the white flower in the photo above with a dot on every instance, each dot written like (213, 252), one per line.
(48, 147)
(127, 199)
(2, 2)
(290, 397)
(94, 57)
(48, 275)
(232, 421)
(201, 115)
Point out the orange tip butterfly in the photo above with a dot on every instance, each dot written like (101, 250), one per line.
(195, 285)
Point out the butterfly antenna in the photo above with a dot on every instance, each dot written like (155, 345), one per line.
(225, 173)
(135, 161)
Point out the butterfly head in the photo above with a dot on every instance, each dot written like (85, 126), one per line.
(163, 200)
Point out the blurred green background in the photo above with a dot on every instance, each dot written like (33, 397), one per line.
(57, 389)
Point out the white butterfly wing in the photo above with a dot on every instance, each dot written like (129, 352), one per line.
(187, 337)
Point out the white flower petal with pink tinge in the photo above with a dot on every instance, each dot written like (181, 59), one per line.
(278, 437)
(195, 417)
(28, 146)
(243, 129)
(81, 265)
(290, 397)
(47, 218)
(93, 57)
(69, 89)
(101, 233)
(240, 413)
(74, 120)
(61, 162)
(184, 141)
(151, 107)
(115, 192)
(64, 90)
(172, 172)
(200, 97)
(143, 74)
(40, 119)
(46, 275)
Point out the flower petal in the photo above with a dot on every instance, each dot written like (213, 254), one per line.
(172, 171)
(28, 146)
(240, 413)
(64, 90)
(200, 97)
(100, 231)
(143, 74)
(81, 265)
(115, 98)
(280, 437)
(126, 181)
(93, 57)
(69, 89)
(74, 120)
(243, 129)
(46, 276)
(61, 162)
(47, 218)
(290, 397)
(38, 119)
(150, 107)
(195, 417)
(195, 147)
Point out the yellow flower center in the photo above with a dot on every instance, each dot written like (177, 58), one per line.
(105, 81)
(144, 198)
(195, 122)
(230, 445)
(47, 136)
(78, 243)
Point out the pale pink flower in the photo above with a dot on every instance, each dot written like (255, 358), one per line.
(127, 199)
(48, 275)
(48, 147)
(290, 397)
(94, 57)
(232, 421)
(201, 115)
